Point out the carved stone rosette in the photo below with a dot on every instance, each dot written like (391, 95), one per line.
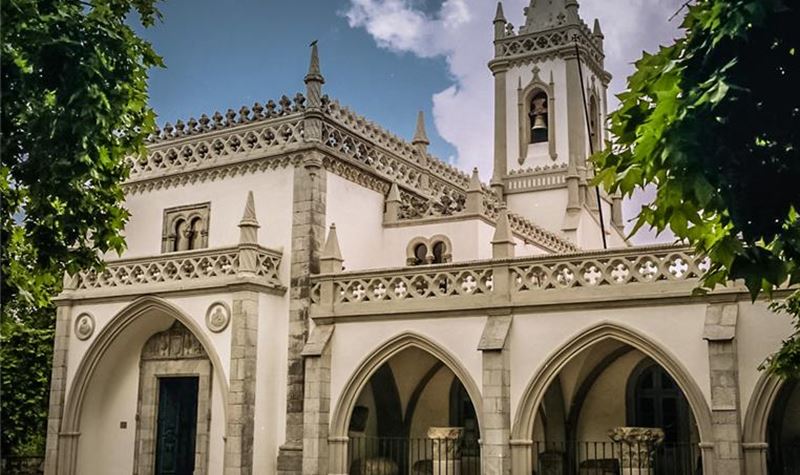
(446, 449)
(636, 447)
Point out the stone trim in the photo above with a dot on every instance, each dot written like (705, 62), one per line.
(58, 389)
(340, 419)
(496, 379)
(532, 396)
(754, 432)
(191, 360)
(317, 400)
(240, 426)
(308, 236)
(63, 460)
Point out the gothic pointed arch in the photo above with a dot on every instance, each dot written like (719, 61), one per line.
(532, 396)
(70, 425)
(344, 407)
(754, 432)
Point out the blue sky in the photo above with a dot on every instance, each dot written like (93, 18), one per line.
(222, 55)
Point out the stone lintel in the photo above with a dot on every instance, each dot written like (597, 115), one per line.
(318, 340)
(495, 333)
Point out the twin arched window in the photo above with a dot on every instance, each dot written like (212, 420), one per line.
(185, 228)
(436, 250)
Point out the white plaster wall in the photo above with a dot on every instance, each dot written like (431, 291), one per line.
(272, 192)
(354, 342)
(545, 208)
(408, 368)
(271, 377)
(358, 214)
(759, 332)
(677, 328)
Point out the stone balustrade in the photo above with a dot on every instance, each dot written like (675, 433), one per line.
(616, 275)
(180, 270)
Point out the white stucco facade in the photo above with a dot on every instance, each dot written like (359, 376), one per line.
(352, 294)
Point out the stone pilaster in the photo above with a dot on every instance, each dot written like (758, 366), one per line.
(496, 429)
(58, 386)
(317, 400)
(242, 391)
(500, 171)
(308, 233)
(720, 333)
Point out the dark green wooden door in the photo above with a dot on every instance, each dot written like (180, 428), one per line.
(177, 426)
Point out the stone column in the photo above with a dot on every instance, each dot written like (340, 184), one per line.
(242, 392)
(58, 381)
(496, 404)
(308, 230)
(499, 69)
(635, 449)
(317, 401)
(446, 452)
(720, 333)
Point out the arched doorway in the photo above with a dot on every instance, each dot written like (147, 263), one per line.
(409, 409)
(592, 408)
(783, 431)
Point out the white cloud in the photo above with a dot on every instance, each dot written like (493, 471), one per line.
(461, 32)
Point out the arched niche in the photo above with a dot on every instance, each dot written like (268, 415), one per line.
(525, 97)
(359, 380)
(534, 393)
(138, 318)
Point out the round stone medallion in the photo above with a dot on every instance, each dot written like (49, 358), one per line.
(218, 316)
(84, 326)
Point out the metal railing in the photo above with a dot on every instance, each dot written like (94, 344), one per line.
(614, 458)
(413, 456)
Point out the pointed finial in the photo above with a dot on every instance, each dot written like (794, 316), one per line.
(248, 226)
(503, 240)
(314, 73)
(420, 137)
(499, 16)
(249, 214)
(394, 193)
(596, 31)
(474, 181)
(331, 259)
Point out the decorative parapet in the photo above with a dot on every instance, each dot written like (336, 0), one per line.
(624, 274)
(184, 269)
(513, 47)
(536, 179)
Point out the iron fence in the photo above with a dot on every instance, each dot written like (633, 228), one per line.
(413, 456)
(615, 458)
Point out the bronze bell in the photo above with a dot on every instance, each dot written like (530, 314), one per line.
(538, 122)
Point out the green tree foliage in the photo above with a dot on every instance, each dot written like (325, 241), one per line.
(74, 105)
(26, 353)
(713, 123)
(74, 91)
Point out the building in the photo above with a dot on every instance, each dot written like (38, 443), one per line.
(305, 292)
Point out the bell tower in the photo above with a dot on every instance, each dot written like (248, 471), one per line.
(550, 107)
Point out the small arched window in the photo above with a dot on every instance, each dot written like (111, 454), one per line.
(181, 235)
(538, 116)
(439, 250)
(420, 254)
(594, 123)
(194, 233)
